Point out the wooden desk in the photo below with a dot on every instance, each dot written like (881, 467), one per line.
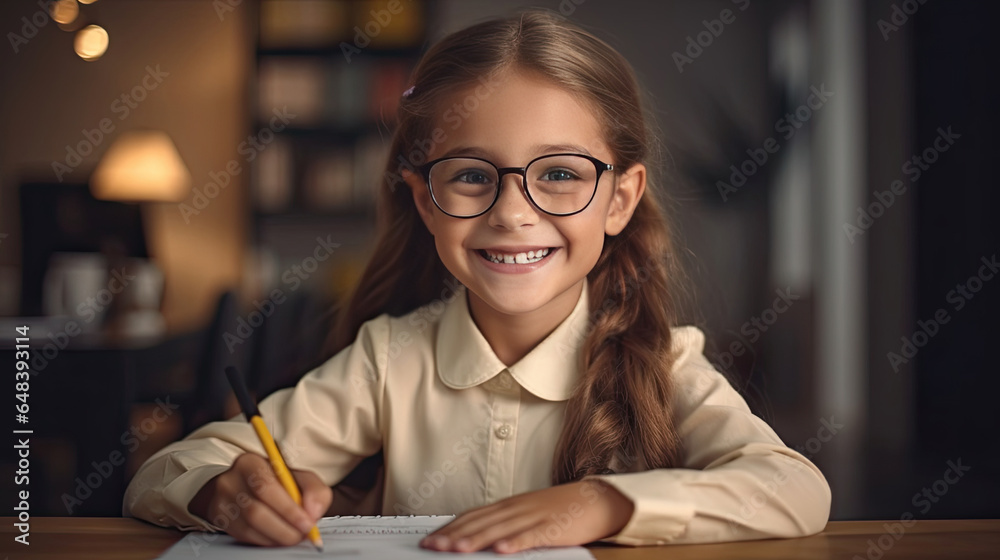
(112, 538)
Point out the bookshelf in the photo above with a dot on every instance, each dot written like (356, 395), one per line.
(329, 76)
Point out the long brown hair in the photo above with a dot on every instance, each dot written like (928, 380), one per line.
(621, 409)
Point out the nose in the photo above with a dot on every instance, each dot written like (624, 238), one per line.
(513, 209)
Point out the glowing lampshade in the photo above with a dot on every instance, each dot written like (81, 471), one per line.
(141, 166)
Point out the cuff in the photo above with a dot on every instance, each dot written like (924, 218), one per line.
(654, 521)
(179, 493)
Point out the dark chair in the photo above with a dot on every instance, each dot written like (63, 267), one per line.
(289, 343)
(207, 401)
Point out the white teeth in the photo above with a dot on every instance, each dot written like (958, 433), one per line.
(520, 258)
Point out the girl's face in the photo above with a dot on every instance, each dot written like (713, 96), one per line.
(523, 117)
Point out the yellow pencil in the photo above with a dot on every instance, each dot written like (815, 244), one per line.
(277, 462)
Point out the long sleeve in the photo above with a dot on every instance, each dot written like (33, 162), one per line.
(327, 424)
(737, 481)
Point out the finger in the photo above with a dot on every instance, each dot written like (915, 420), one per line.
(530, 537)
(247, 534)
(274, 514)
(491, 534)
(486, 520)
(274, 495)
(270, 524)
(497, 518)
(467, 517)
(316, 494)
(232, 504)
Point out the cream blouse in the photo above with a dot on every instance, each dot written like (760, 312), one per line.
(461, 430)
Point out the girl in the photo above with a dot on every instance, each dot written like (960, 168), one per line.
(511, 346)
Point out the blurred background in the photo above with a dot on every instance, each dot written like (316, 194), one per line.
(186, 184)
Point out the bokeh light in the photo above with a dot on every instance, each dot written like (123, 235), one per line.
(65, 11)
(91, 42)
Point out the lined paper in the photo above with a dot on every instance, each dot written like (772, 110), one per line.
(352, 537)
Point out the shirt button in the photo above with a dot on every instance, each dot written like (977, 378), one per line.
(503, 431)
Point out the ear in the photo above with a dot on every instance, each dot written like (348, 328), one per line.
(421, 198)
(628, 192)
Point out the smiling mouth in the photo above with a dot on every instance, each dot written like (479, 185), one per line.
(515, 258)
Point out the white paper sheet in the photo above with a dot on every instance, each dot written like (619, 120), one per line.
(353, 538)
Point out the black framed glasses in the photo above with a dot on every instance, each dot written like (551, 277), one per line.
(557, 184)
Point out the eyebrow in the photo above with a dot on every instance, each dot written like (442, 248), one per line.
(552, 148)
(540, 149)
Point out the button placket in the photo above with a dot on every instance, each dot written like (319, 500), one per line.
(500, 477)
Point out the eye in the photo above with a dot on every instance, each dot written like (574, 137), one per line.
(474, 177)
(558, 175)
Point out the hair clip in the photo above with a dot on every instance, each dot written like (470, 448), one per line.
(408, 92)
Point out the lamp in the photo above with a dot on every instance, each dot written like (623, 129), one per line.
(141, 166)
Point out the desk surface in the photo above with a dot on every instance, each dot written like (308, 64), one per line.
(111, 538)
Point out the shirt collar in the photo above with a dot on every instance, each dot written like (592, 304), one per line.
(550, 371)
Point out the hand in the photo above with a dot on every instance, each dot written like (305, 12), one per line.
(564, 515)
(249, 503)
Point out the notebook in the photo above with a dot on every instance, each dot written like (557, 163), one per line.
(351, 537)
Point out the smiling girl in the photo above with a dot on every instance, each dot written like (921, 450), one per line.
(550, 399)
